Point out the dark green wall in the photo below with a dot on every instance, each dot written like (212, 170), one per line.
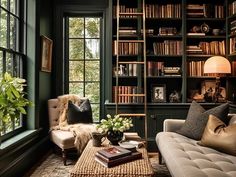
(19, 157)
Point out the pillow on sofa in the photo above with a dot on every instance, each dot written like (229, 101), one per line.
(197, 118)
(79, 114)
(219, 136)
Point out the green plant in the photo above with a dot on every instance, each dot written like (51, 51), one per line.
(12, 98)
(116, 123)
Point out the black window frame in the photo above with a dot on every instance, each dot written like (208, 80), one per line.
(18, 56)
(66, 54)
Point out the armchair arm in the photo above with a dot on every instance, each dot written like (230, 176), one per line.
(171, 125)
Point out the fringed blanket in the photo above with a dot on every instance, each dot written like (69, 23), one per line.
(81, 131)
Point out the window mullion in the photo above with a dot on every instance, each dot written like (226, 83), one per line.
(84, 60)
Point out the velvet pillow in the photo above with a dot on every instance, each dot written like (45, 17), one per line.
(197, 118)
(79, 114)
(219, 136)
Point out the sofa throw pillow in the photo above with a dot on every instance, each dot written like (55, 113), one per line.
(79, 114)
(219, 136)
(197, 118)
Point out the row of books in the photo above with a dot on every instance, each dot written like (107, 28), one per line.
(208, 48)
(233, 72)
(116, 155)
(125, 9)
(213, 47)
(232, 45)
(168, 47)
(126, 48)
(125, 94)
(163, 11)
(125, 70)
(232, 8)
(232, 27)
(205, 10)
(195, 68)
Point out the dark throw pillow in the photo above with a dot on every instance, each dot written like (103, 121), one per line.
(197, 118)
(79, 114)
(219, 136)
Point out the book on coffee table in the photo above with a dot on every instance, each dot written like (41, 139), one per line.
(114, 152)
(111, 163)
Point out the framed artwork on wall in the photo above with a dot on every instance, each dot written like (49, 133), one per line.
(46, 54)
(159, 93)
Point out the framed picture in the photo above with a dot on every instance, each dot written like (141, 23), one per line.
(159, 93)
(46, 54)
(208, 89)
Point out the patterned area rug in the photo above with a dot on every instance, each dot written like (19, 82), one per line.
(52, 166)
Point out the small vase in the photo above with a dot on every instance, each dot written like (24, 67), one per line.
(114, 136)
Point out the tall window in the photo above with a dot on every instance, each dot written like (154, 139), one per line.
(84, 56)
(12, 38)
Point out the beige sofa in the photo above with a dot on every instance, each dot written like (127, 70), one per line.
(185, 158)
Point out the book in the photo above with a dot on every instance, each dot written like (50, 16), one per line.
(114, 152)
(111, 163)
(131, 136)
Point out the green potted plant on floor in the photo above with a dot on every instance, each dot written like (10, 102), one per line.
(12, 99)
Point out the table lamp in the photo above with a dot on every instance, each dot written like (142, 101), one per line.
(217, 65)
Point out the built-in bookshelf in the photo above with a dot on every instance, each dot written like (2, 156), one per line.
(180, 37)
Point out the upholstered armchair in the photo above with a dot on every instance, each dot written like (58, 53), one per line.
(65, 140)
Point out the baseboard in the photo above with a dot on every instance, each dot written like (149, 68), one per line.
(33, 152)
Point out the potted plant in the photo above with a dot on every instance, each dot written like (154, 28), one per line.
(12, 99)
(114, 127)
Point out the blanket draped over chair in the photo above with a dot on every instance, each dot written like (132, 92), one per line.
(81, 131)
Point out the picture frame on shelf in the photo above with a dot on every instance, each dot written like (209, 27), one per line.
(208, 88)
(158, 93)
(46, 54)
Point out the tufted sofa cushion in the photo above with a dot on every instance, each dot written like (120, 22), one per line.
(185, 158)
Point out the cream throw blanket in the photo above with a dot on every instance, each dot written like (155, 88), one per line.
(81, 131)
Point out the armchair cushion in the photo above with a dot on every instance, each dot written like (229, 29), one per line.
(79, 114)
(197, 119)
(64, 139)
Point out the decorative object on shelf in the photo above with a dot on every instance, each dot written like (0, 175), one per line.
(159, 93)
(114, 127)
(46, 54)
(215, 32)
(217, 65)
(175, 97)
(98, 138)
(205, 28)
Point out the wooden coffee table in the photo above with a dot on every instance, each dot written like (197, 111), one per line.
(86, 166)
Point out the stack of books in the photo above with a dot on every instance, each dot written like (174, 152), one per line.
(116, 155)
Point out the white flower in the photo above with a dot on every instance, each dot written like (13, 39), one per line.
(108, 116)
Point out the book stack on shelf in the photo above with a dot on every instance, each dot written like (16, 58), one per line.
(194, 50)
(167, 31)
(125, 9)
(127, 31)
(116, 155)
(205, 10)
(172, 71)
(126, 48)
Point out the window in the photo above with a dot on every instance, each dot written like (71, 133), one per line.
(83, 36)
(12, 32)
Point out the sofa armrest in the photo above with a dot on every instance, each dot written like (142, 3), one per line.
(171, 125)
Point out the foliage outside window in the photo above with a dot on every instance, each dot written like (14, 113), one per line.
(12, 39)
(84, 38)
